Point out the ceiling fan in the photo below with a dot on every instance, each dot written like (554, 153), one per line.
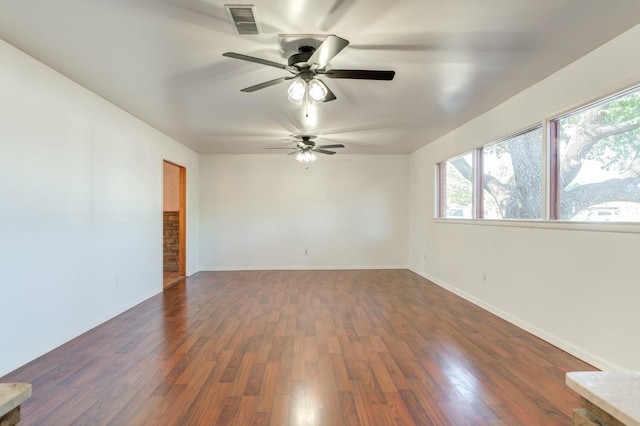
(308, 63)
(305, 148)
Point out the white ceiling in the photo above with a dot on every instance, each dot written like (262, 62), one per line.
(161, 60)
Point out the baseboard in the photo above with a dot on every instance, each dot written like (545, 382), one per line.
(298, 268)
(566, 346)
(66, 337)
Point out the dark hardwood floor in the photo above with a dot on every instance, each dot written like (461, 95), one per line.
(302, 348)
(171, 278)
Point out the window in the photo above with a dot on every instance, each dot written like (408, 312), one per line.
(512, 177)
(456, 187)
(593, 170)
(597, 177)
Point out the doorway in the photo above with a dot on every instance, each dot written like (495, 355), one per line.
(174, 197)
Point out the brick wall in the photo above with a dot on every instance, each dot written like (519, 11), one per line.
(171, 241)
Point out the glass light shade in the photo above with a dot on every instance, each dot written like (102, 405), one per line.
(306, 157)
(317, 90)
(297, 91)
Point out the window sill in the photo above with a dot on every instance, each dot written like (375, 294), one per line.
(618, 227)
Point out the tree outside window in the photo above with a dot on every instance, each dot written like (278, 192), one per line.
(598, 151)
(512, 178)
(456, 189)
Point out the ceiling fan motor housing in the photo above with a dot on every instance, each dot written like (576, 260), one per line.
(300, 59)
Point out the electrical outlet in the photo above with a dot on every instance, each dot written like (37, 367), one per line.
(306, 252)
(484, 278)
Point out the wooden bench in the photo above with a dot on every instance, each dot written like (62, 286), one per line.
(11, 396)
(609, 398)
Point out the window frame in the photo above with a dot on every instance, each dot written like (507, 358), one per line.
(480, 175)
(553, 159)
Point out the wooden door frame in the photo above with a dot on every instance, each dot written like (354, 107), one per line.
(182, 218)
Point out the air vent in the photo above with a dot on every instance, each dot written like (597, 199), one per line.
(243, 18)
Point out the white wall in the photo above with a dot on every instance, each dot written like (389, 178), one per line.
(81, 209)
(576, 288)
(264, 211)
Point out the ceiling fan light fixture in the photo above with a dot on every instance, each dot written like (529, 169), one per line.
(306, 157)
(317, 90)
(297, 91)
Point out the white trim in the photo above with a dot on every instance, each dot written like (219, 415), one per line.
(568, 347)
(299, 268)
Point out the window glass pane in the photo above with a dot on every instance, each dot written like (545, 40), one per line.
(512, 177)
(457, 188)
(599, 161)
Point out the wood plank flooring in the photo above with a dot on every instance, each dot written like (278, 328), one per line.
(171, 278)
(383, 347)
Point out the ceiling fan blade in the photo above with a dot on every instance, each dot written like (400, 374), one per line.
(254, 59)
(322, 151)
(282, 148)
(294, 152)
(265, 84)
(360, 74)
(330, 139)
(331, 146)
(330, 96)
(329, 48)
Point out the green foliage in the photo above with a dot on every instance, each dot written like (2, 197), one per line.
(616, 152)
(458, 187)
(621, 109)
